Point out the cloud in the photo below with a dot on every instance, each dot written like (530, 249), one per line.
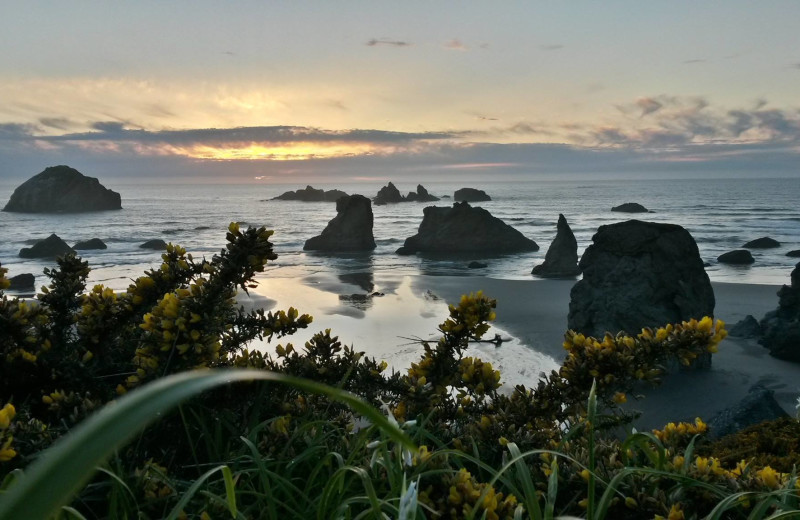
(455, 45)
(14, 131)
(385, 41)
(551, 47)
(648, 105)
(58, 123)
(694, 61)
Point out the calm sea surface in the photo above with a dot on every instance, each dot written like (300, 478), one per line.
(720, 214)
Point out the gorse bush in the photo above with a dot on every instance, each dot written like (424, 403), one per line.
(484, 451)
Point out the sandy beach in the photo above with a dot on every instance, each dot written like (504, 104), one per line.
(534, 314)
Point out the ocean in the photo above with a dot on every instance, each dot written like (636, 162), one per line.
(721, 214)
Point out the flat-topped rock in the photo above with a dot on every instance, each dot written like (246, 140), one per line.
(463, 229)
(794, 254)
(639, 274)
(736, 257)
(762, 243)
(630, 207)
(349, 230)
(50, 247)
(94, 243)
(470, 195)
(561, 259)
(156, 244)
(22, 281)
(309, 194)
(61, 189)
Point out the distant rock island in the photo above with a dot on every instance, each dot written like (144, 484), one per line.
(389, 194)
(762, 243)
(630, 207)
(349, 230)
(464, 229)
(310, 194)
(61, 189)
(471, 195)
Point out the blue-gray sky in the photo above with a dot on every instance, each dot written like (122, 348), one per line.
(290, 91)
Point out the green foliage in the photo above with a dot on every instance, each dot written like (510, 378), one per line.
(261, 450)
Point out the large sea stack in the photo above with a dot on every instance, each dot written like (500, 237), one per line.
(470, 195)
(781, 327)
(389, 194)
(349, 230)
(421, 195)
(464, 229)
(561, 260)
(61, 189)
(639, 274)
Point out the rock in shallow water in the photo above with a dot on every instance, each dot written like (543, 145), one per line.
(630, 207)
(22, 281)
(561, 260)
(50, 247)
(639, 274)
(155, 244)
(762, 243)
(94, 243)
(349, 230)
(61, 189)
(736, 257)
(464, 229)
(309, 194)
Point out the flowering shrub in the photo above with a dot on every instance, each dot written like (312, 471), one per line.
(71, 351)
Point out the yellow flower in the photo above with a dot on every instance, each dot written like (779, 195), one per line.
(676, 513)
(6, 415)
(620, 398)
(769, 477)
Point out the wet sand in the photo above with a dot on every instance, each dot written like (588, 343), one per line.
(534, 314)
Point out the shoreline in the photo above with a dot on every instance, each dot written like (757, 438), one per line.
(534, 314)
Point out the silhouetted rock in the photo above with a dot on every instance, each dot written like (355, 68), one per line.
(762, 243)
(310, 194)
(736, 257)
(561, 259)
(630, 207)
(94, 243)
(61, 189)
(389, 194)
(349, 230)
(421, 195)
(471, 195)
(22, 281)
(781, 327)
(793, 254)
(758, 405)
(477, 265)
(639, 274)
(746, 328)
(156, 244)
(463, 228)
(50, 247)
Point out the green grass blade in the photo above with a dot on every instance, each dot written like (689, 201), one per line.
(230, 492)
(63, 469)
(530, 498)
(187, 496)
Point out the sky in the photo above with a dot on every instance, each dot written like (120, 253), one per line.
(301, 91)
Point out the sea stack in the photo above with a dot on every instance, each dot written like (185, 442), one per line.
(464, 229)
(561, 260)
(781, 327)
(639, 274)
(50, 247)
(61, 189)
(470, 195)
(349, 230)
